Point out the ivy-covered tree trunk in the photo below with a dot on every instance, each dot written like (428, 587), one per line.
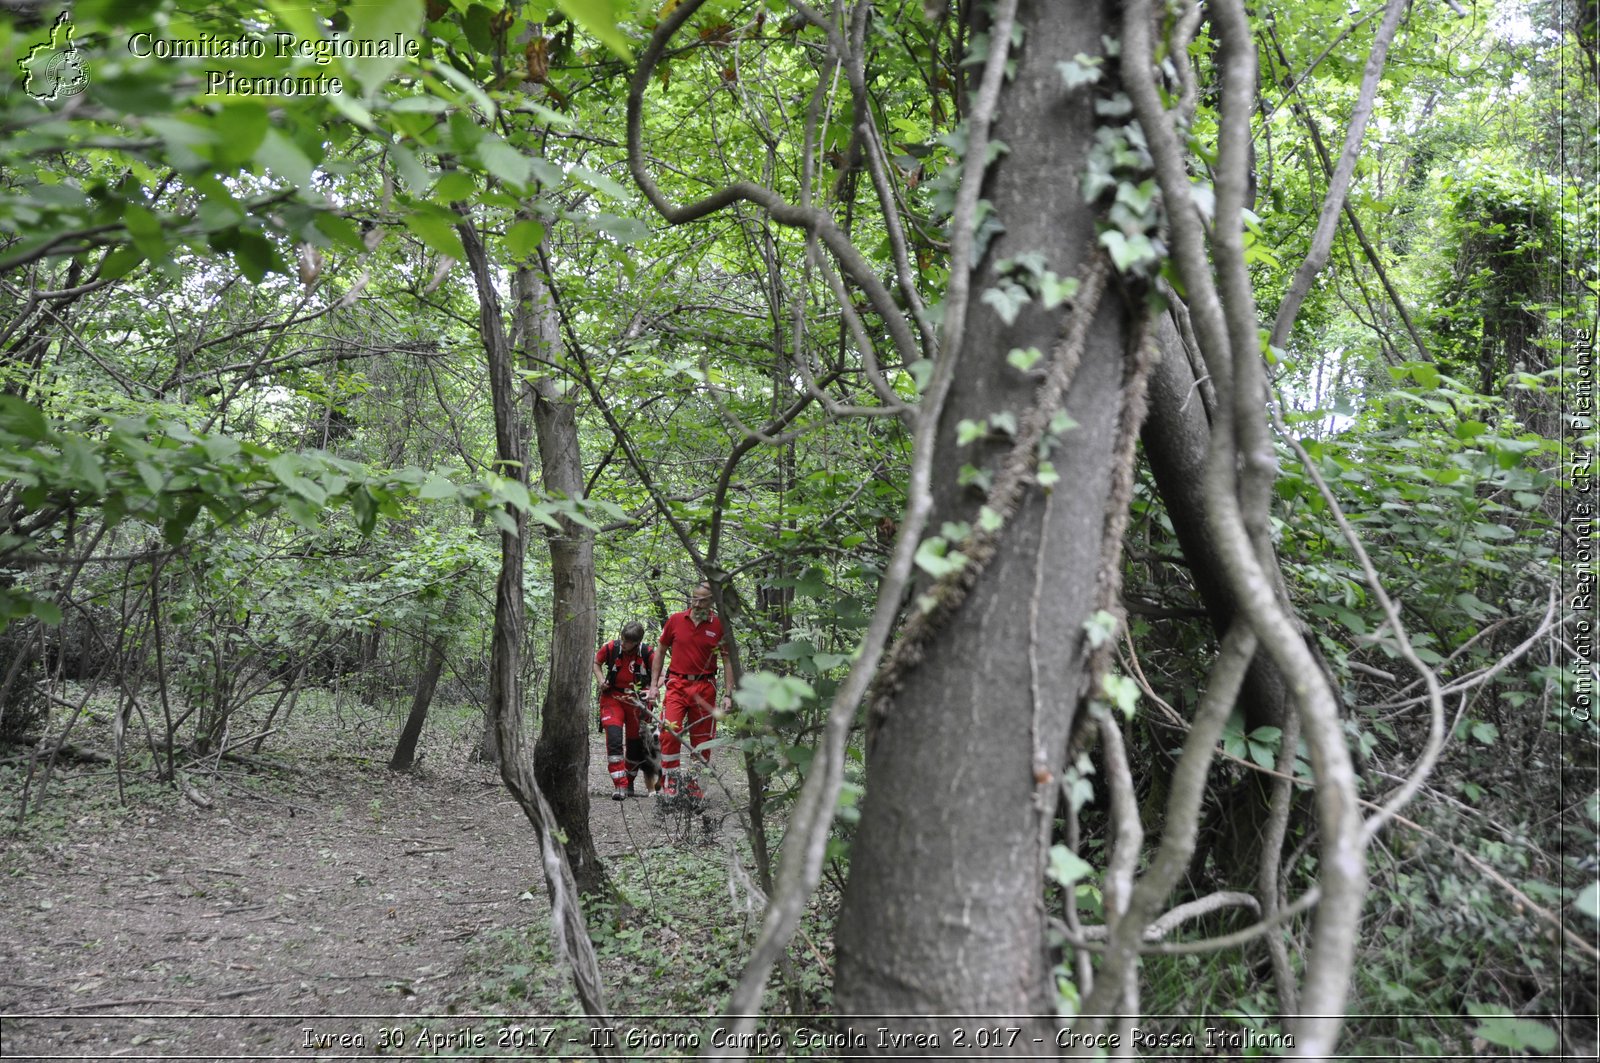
(943, 913)
(561, 756)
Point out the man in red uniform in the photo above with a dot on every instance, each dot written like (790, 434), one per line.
(621, 670)
(693, 639)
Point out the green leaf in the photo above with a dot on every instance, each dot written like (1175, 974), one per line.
(1024, 358)
(921, 372)
(1047, 475)
(504, 161)
(596, 17)
(516, 493)
(1066, 866)
(242, 126)
(1122, 691)
(1517, 1034)
(381, 20)
(523, 240)
(1128, 252)
(968, 431)
(1007, 299)
(22, 418)
(144, 227)
(256, 257)
(453, 186)
(1054, 290)
(1101, 627)
(120, 261)
(437, 487)
(438, 233)
(599, 182)
(286, 467)
(623, 230)
(936, 558)
(83, 462)
(409, 168)
(1080, 70)
(48, 612)
(1588, 902)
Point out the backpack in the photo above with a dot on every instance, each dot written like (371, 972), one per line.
(641, 664)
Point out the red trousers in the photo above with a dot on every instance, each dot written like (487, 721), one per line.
(624, 745)
(687, 711)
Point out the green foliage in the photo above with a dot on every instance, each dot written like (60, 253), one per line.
(671, 947)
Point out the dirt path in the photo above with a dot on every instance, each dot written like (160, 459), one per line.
(170, 930)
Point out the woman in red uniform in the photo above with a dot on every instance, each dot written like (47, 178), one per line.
(621, 669)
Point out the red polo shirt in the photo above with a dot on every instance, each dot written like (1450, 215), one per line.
(693, 646)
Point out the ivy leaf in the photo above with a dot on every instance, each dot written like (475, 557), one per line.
(1122, 691)
(1007, 299)
(1066, 866)
(1054, 290)
(1128, 251)
(1101, 628)
(1080, 70)
(1024, 358)
(936, 558)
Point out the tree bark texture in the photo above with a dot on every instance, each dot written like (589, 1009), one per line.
(561, 756)
(943, 912)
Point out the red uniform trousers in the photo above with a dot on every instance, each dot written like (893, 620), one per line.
(687, 710)
(624, 744)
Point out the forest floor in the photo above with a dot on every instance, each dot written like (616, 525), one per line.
(317, 909)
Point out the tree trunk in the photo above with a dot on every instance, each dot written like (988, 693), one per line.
(505, 657)
(1177, 436)
(405, 750)
(943, 912)
(561, 756)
